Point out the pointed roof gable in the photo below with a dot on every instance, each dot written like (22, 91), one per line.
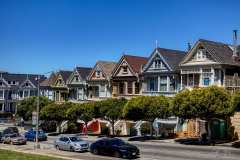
(220, 52)
(107, 67)
(135, 63)
(65, 75)
(83, 72)
(171, 57)
(49, 81)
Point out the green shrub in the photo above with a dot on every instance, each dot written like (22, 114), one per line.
(145, 129)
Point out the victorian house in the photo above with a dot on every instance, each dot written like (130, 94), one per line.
(211, 63)
(161, 74)
(46, 89)
(59, 86)
(77, 84)
(99, 86)
(16, 87)
(126, 76)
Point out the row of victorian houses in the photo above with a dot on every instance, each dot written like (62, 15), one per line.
(165, 72)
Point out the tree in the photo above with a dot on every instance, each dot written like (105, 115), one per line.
(147, 108)
(28, 105)
(205, 103)
(55, 112)
(83, 111)
(111, 110)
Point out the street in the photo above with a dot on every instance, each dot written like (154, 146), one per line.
(149, 151)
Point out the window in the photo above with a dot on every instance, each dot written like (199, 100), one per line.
(206, 77)
(125, 69)
(158, 63)
(102, 88)
(26, 93)
(121, 88)
(163, 83)
(130, 87)
(1, 94)
(172, 83)
(1, 83)
(98, 74)
(13, 82)
(137, 86)
(152, 84)
(76, 78)
(9, 82)
(26, 84)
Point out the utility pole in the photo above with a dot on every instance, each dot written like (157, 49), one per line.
(37, 116)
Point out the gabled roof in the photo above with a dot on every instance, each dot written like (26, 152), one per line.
(83, 72)
(135, 62)
(21, 78)
(220, 52)
(49, 81)
(107, 67)
(171, 57)
(65, 75)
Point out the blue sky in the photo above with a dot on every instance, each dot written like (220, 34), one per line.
(45, 35)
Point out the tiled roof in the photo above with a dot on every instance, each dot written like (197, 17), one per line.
(49, 81)
(135, 62)
(65, 75)
(20, 78)
(107, 67)
(221, 52)
(172, 57)
(84, 72)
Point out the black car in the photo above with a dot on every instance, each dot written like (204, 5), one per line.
(114, 147)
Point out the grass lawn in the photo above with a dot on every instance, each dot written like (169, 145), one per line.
(11, 155)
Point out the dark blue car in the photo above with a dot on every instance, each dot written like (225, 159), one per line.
(30, 135)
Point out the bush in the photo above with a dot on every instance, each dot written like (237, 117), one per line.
(145, 129)
(105, 131)
(48, 126)
(72, 127)
(133, 131)
(6, 115)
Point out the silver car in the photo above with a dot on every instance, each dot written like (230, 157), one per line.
(71, 143)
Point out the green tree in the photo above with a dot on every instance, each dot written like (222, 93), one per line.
(205, 103)
(55, 112)
(28, 105)
(111, 110)
(147, 108)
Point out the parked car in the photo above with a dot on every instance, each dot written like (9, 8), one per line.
(114, 147)
(10, 130)
(1, 136)
(14, 139)
(71, 143)
(30, 135)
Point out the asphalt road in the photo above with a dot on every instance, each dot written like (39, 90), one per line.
(163, 151)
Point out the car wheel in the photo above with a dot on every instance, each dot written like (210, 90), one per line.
(57, 147)
(117, 154)
(95, 151)
(72, 149)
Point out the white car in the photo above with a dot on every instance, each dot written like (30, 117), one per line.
(71, 143)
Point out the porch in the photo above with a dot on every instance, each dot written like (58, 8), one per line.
(125, 89)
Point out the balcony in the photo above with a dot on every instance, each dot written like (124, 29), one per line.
(232, 82)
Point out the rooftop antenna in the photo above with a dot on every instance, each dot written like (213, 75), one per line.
(156, 43)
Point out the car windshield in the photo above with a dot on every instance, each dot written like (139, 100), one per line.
(75, 139)
(13, 135)
(117, 142)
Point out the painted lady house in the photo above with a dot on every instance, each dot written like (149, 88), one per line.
(126, 76)
(161, 74)
(99, 86)
(211, 63)
(16, 87)
(77, 84)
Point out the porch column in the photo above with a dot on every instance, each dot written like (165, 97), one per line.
(200, 78)
(158, 83)
(213, 75)
(219, 77)
(168, 84)
(126, 88)
(187, 79)
(133, 87)
(3, 94)
(181, 83)
(224, 73)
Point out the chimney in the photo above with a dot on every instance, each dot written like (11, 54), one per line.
(235, 54)
(189, 46)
